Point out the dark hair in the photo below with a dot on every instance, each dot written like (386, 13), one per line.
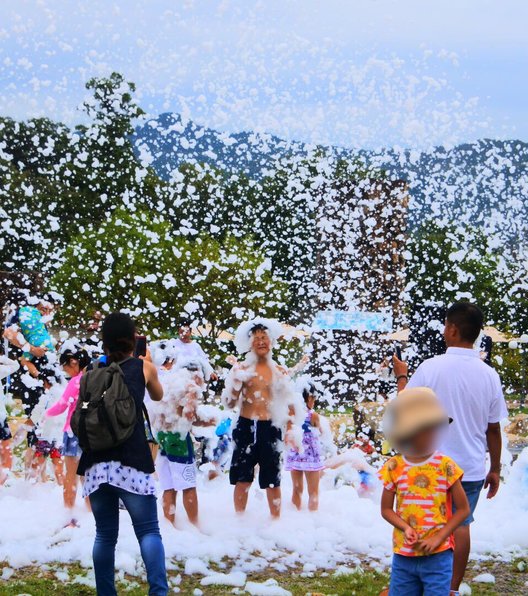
(77, 353)
(467, 318)
(119, 336)
(309, 390)
(183, 322)
(257, 327)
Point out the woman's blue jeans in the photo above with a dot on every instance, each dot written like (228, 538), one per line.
(144, 514)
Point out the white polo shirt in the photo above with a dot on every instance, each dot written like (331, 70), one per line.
(471, 394)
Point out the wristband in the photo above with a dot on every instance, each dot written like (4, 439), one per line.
(402, 377)
(26, 347)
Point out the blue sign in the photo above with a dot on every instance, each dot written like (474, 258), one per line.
(353, 320)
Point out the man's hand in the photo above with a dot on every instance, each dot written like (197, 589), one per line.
(401, 368)
(37, 351)
(213, 376)
(411, 536)
(492, 484)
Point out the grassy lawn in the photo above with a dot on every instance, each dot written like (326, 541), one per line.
(43, 582)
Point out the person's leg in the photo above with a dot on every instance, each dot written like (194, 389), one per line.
(37, 471)
(243, 462)
(435, 573)
(297, 488)
(58, 468)
(105, 507)
(240, 496)
(404, 578)
(463, 535)
(144, 515)
(274, 500)
(190, 502)
(6, 459)
(31, 466)
(69, 489)
(462, 550)
(169, 505)
(312, 483)
(269, 460)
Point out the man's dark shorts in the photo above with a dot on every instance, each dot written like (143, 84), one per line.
(257, 442)
(472, 488)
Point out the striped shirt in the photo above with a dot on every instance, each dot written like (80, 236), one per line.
(423, 498)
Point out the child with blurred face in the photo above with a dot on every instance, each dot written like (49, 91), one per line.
(422, 497)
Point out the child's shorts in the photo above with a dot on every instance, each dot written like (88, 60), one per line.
(174, 475)
(5, 431)
(44, 448)
(421, 575)
(70, 445)
(257, 442)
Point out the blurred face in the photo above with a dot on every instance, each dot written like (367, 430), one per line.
(45, 309)
(71, 368)
(423, 443)
(310, 402)
(261, 343)
(185, 333)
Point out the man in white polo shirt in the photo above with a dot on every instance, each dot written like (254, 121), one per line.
(471, 393)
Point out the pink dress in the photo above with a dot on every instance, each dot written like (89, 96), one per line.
(309, 459)
(67, 401)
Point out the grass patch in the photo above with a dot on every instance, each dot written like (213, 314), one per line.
(511, 578)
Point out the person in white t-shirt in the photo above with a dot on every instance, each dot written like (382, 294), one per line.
(471, 393)
(185, 348)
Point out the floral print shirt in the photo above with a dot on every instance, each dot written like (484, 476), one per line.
(114, 473)
(423, 498)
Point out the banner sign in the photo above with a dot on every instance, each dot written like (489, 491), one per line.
(353, 320)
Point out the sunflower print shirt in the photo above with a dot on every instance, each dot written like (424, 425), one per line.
(423, 498)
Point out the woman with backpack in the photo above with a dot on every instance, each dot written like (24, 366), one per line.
(123, 469)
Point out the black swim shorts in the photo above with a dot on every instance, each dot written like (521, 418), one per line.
(257, 442)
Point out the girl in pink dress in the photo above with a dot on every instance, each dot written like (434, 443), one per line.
(308, 461)
(73, 361)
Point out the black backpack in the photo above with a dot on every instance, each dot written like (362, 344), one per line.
(106, 413)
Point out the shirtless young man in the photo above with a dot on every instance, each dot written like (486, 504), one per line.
(256, 437)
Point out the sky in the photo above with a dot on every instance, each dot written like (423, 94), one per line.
(355, 73)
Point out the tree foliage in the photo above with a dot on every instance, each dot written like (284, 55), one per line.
(134, 261)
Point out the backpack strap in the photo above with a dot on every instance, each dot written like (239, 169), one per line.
(124, 360)
(83, 436)
(147, 420)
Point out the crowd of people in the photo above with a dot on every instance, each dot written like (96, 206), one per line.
(135, 415)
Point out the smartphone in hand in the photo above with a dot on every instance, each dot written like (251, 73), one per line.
(398, 352)
(141, 346)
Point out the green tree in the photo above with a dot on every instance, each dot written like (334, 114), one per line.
(135, 261)
(448, 263)
(105, 162)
